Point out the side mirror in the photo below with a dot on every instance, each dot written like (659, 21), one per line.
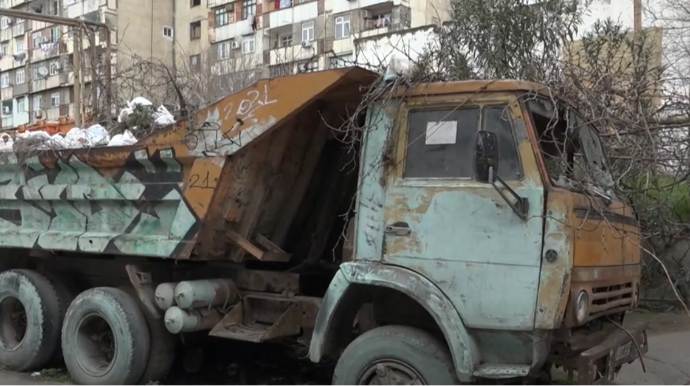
(485, 156)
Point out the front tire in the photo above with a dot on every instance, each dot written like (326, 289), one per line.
(105, 338)
(393, 355)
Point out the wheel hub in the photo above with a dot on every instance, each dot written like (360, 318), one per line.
(12, 322)
(390, 372)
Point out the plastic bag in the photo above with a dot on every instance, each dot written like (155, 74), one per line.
(124, 139)
(97, 135)
(163, 117)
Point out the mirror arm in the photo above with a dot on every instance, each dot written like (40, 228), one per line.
(520, 206)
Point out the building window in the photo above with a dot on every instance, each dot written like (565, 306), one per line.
(55, 34)
(36, 39)
(55, 99)
(21, 105)
(55, 8)
(222, 17)
(248, 8)
(248, 45)
(342, 27)
(194, 3)
(20, 77)
(224, 50)
(195, 61)
(285, 41)
(54, 68)
(309, 66)
(5, 80)
(3, 22)
(308, 31)
(168, 32)
(342, 61)
(37, 102)
(34, 74)
(4, 49)
(195, 30)
(18, 46)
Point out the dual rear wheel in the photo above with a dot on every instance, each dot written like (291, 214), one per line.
(102, 334)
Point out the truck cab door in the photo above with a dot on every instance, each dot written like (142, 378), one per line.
(441, 222)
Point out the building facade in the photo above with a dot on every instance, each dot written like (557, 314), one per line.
(37, 58)
(281, 37)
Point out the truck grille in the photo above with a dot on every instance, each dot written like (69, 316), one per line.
(611, 298)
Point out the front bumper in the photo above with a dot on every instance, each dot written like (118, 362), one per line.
(599, 364)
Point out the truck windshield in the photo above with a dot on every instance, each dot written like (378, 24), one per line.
(571, 148)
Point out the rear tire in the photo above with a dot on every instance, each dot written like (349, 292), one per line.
(105, 338)
(30, 320)
(395, 355)
(163, 344)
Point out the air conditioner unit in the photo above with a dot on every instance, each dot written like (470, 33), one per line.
(366, 14)
(307, 43)
(235, 45)
(38, 114)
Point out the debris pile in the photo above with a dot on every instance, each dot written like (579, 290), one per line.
(138, 117)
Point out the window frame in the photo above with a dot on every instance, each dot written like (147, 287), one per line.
(21, 105)
(53, 65)
(341, 25)
(55, 97)
(246, 6)
(283, 39)
(404, 132)
(225, 46)
(167, 28)
(245, 42)
(192, 28)
(17, 78)
(219, 15)
(308, 26)
(192, 3)
(37, 106)
(5, 80)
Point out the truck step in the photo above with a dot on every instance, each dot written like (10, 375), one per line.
(240, 323)
(501, 371)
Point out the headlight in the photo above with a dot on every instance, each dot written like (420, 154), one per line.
(581, 306)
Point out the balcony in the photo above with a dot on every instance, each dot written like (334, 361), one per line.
(52, 81)
(80, 8)
(232, 30)
(6, 34)
(218, 3)
(6, 93)
(291, 15)
(18, 29)
(293, 53)
(45, 51)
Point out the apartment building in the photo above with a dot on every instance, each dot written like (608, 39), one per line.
(37, 58)
(281, 37)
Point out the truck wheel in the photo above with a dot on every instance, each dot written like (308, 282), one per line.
(65, 294)
(30, 320)
(162, 352)
(105, 339)
(395, 355)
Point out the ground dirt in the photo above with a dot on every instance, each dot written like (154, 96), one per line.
(667, 362)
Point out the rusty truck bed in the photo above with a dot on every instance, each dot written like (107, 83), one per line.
(173, 193)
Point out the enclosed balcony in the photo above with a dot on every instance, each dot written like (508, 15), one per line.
(287, 14)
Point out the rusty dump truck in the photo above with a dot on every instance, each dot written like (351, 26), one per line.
(438, 242)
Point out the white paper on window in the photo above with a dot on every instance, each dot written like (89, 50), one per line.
(441, 132)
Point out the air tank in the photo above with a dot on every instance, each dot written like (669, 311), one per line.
(165, 295)
(178, 320)
(205, 293)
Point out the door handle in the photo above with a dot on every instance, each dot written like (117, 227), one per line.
(398, 229)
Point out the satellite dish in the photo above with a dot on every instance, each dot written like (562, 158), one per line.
(42, 71)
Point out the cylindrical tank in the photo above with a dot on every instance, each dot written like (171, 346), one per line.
(178, 320)
(165, 295)
(205, 293)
